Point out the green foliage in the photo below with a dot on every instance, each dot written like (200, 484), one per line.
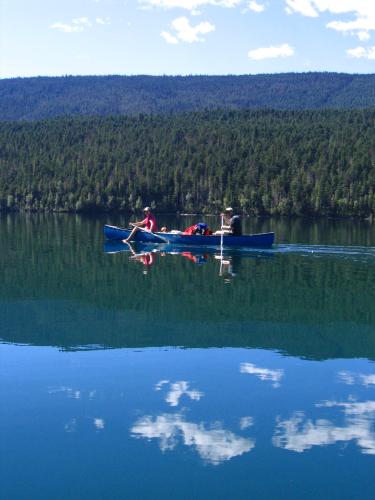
(48, 97)
(263, 162)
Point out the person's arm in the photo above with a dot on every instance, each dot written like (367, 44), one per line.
(226, 224)
(140, 223)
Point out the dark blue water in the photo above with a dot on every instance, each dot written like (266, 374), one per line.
(140, 373)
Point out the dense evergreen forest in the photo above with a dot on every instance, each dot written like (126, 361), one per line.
(262, 162)
(48, 97)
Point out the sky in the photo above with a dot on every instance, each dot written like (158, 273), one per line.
(185, 37)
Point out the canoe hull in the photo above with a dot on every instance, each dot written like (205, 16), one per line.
(262, 240)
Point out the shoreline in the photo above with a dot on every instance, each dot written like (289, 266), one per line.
(370, 219)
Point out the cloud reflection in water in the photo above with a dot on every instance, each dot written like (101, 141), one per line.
(263, 373)
(299, 433)
(214, 445)
(246, 422)
(350, 378)
(177, 390)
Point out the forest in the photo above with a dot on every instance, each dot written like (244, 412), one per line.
(49, 97)
(262, 162)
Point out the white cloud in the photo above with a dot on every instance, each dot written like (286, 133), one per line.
(191, 5)
(351, 407)
(255, 6)
(304, 7)
(300, 434)
(363, 12)
(71, 426)
(179, 389)
(246, 422)
(81, 21)
(362, 53)
(361, 24)
(103, 20)
(346, 377)
(69, 391)
(214, 445)
(160, 384)
(368, 379)
(169, 38)
(99, 423)
(263, 373)
(363, 36)
(283, 50)
(66, 28)
(350, 378)
(184, 32)
(79, 24)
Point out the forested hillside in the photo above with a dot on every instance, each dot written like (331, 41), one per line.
(47, 97)
(263, 162)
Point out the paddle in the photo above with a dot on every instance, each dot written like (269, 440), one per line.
(221, 256)
(221, 244)
(222, 234)
(164, 240)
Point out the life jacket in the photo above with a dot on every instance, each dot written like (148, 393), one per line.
(236, 226)
(197, 259)
(200, 228)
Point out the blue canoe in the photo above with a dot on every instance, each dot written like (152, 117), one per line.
(262, 240)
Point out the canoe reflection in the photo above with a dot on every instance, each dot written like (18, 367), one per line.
(147, 254)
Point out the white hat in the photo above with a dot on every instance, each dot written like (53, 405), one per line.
(228, 209)
(147, 209)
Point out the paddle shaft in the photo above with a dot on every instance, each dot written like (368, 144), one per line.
(164, 240)
(221, 244)
(222, 232)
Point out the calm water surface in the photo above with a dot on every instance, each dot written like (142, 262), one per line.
(142, 373)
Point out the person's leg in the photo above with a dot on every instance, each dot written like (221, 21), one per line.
(225, 232)
(129, 238)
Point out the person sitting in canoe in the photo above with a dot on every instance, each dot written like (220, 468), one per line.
(149, 224)
(232, 223)
(201, 228)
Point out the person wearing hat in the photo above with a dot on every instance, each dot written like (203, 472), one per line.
(149, 223)
(232, 223)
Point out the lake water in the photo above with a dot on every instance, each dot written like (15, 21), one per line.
(153, 375)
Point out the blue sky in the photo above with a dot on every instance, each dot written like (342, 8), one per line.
(81, 37)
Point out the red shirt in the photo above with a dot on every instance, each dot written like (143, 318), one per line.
(148, 259)
(150, 222)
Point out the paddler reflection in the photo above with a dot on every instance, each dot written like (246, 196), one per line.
(229, 266)
(146, 258)
(197, 259)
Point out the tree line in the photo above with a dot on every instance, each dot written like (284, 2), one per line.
(262, 162)
(48, 97)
